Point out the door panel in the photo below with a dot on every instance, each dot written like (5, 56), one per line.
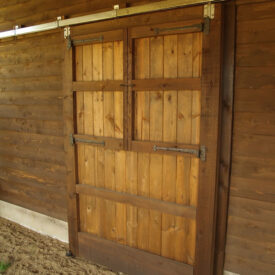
(170, 116)
(137, 126)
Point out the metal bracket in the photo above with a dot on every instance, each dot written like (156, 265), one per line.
(208, 14)
(67, 32)
(209, 11)
(73, 140)
(203, 153)
(199, 153)
(70, 254)
(83, 41)
(67, 36)
(71, 42)
(197, 26)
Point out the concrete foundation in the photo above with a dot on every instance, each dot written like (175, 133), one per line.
(40, 223)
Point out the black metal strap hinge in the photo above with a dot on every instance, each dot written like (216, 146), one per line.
(199, 153)
(74, 140)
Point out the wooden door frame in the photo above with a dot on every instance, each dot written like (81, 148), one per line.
(206, 211)
(70, 151)
(209, 137)
(228, 75)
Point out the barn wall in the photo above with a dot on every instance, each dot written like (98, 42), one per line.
(251, 225)
(32, 170)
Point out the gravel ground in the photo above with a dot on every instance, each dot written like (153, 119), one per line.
(32, 253)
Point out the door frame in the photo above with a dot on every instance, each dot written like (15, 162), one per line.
(207, 193)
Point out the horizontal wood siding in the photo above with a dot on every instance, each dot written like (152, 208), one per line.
(251, 224)
(32, 171)
(32, 158)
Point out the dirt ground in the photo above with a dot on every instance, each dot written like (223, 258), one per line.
(31, 253)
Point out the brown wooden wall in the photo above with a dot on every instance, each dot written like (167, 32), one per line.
(32, 171)
(251, 225)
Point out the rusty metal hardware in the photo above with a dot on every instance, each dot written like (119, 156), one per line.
(196, 26)
(208, 14)
(209, 10)
(201, 153)
(74, 140)
(71, 42)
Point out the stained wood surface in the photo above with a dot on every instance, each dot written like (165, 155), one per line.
(31, 89)
(250, 237)
(210, 137)
(31, 125)
(139, 198)
(228, 73)
(127, 259)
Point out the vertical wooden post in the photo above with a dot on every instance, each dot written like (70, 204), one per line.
(68, 115)
(226, 132)
(209, 137)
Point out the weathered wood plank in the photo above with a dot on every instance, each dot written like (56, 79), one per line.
(127, 259)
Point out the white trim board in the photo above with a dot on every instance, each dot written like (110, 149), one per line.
(35, 221)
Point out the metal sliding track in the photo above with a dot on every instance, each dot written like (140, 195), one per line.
(115, 13)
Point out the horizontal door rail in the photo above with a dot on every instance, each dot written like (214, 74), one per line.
(138, 201)
(127, 259)
(115, 13)
(107, 142)
(167, 84)
(105, 85)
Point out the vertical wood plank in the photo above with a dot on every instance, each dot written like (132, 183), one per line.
(120, 181)
(68, 115)
(109, 226)
(89, 151)
(156, 193)
(185, 56)
(169, 135)
(142, 98)
(197, 54)
(131, 187)
(156, 133)
(143, 190)
(98, 131)
(209, 136)
(80, 129)
(185, 227)
(118, 95)
(142, 110)
(120, 157)
(226, 132)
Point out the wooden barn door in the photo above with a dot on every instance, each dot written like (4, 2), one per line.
(138, 157)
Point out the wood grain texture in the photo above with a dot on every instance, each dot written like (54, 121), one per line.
(226, 133)
(250, 237)
(209, 136)
(127, 259)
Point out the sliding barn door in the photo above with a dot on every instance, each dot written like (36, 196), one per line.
(137, 151)
(165, 105)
